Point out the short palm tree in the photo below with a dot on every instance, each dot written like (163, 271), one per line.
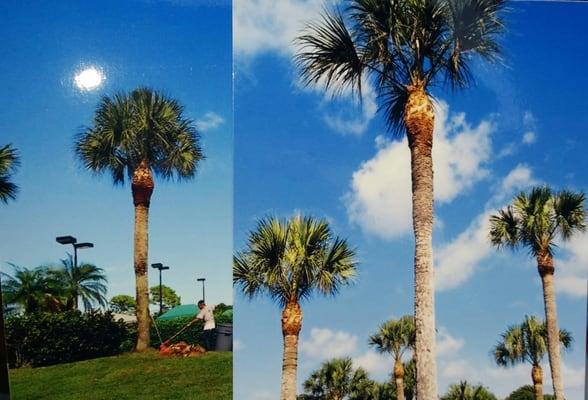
(526, 343)
(290, 261)
(336, 379)
(464, 391)
(85, 281)
(132, 137)
(395, 337)
(535, 221)
(33, 289)
(9, 161)
(405, 47)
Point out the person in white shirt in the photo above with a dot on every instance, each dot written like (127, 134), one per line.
(206, 315)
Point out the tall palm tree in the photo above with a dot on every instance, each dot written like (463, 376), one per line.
(336, 379)
(132, 137)
(32, 289)
(9, 161)
(527, 343)
(395, 337)
(290, 261)
(405, 47)
(85, 281)
(535, 221)
(464, 391)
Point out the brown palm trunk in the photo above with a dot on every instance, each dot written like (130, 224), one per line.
(537, 376)
(546, 271)
(291, 325)
(419, 119)
(142, 187)
(399, 379)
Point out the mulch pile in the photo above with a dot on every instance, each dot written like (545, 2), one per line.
(182, 349)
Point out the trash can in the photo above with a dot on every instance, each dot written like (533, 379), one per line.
(224, 337)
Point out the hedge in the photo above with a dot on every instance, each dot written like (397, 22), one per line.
(42, 339)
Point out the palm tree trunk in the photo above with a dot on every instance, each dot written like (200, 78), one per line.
(399, 379)
(291, 325)
(142, 187)
(537, 376)
(546, 271)
(419, 119)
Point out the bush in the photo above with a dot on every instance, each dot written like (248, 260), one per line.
(42, 339)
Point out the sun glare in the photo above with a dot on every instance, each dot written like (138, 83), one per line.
(89, 79)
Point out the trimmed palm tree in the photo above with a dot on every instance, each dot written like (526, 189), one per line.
(9, 161)
(336, 379)
(535, 221)
(464, 391)
(33, 289)
(86, 282)
(395, 337)
(134, 136)
(405, 47)
(290, 261)
(526, 343)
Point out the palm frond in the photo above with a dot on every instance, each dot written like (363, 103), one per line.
(9, 162)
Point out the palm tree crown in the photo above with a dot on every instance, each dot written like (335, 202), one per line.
(9, 161)
(33, 289)
(535, 220)
(526, 343)
(464, 391)
(291, 259)
(336, 379)
(142, 126)
(402, 45)
(85, 281)
(395, 337)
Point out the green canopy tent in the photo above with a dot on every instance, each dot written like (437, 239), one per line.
(185, 310)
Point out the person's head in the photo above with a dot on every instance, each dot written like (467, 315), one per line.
(201, 304)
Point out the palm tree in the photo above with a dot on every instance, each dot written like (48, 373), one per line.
(9, 161)
(336, 379)
(464, 391)
(134, 136)
(527, 343)
(85, 281)
(405, 47)
(290, 261)
(32, 289)
(395, 337)
(535, 221)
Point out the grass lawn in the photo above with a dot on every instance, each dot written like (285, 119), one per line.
(129, 376)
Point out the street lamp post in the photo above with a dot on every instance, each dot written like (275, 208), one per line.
(202, 280)
(74, 242)
(160, 267)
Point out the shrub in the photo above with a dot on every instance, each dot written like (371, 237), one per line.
(42, 339)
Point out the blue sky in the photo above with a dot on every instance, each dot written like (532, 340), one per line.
(180, 47)
(296, 150)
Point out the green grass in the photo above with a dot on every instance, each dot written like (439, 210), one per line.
(129, 376)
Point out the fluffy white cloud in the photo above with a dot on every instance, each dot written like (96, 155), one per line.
(457, 260)
(261, 26)
(380, 197)
(238, 345)
(325, 343)
(209, 121)
(263, 395)
(377, 365)
(447, 344)
(571, 273)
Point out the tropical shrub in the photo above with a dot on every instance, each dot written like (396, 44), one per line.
(40, 339)
(526, 392)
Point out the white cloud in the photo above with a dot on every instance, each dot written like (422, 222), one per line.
(529, 137)
(380, 197)
(325, 343)
(261, 26)
(456, 261)
(571, 268)
(209, 121)
(263, 395)
(447, 344)
(377, 365)
(238, 345)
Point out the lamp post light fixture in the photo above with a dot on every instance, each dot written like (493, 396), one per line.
(160, 267)
(74, 242)
(202, 280)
